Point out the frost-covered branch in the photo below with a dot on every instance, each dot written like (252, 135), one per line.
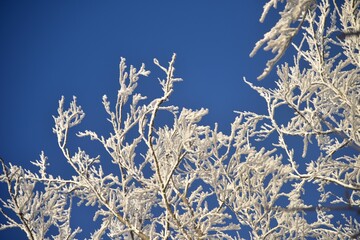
(185, 180)
(281, 35)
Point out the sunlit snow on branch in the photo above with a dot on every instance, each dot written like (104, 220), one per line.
(186, 180)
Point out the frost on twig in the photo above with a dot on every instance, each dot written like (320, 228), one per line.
(324, 99)
(280, 36)
(37, 210)
(186, 180)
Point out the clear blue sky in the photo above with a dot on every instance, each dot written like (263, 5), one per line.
(73, 47)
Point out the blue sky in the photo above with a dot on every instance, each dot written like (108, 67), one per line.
(54, 48)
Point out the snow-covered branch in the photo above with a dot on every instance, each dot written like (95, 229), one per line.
(186, 180)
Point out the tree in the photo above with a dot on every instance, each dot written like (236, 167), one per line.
(192, 181)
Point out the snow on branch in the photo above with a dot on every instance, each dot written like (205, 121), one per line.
(280, 36)
(186, 180)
